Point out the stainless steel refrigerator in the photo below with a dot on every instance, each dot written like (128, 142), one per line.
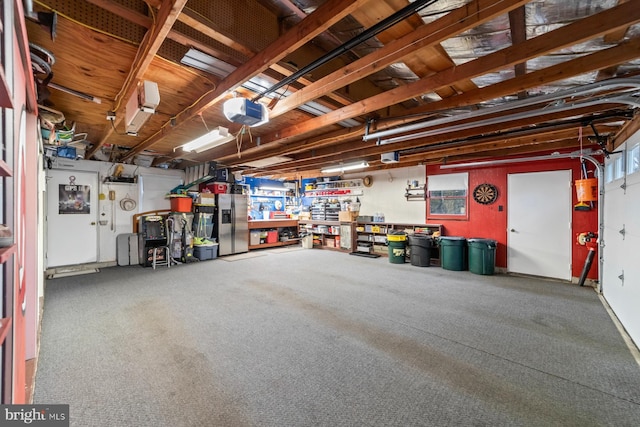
(232, 224)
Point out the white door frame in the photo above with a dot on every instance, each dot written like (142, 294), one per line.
(71, 226)
(539, 224)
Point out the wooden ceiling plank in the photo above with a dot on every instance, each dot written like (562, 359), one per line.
(343, 100)
(628, 130)
(617, 35)
(176, 36)
(585, 29)
(206, 27)
(459, 134)
(455, 140)
(463, 18)
(518, 30)
(613, 37)
(584, 64)
(500, 143)
(508, 151)
(167, 15)
(320, 20)
(437, 60)
(123, 12)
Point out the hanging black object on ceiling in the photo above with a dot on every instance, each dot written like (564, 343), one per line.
(47, 20)
(388, 22)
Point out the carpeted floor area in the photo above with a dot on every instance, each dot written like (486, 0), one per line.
(319, 338)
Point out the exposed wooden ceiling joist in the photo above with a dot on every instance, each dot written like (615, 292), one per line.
(436, 63)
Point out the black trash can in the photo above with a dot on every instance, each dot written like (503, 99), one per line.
(482, 256)
(453, 253)
(420, 246)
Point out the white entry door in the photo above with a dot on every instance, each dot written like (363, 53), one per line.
(72, 217)
(539, 224)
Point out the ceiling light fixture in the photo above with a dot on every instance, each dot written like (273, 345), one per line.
(272, 188)
(346, 167)
(209, 140)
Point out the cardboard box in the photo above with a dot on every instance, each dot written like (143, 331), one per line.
(345, 216)
(206, 199)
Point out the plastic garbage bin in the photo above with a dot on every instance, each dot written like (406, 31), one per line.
(420, 246)
(397, 247)
(482, 255)
(307, 241)
(453, 253)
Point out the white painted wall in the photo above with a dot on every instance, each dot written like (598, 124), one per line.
(386, 195)
(157, 181)
(620, 254)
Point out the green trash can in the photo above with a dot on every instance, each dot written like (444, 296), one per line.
(482, 256)
(397, 247)
(453, 253)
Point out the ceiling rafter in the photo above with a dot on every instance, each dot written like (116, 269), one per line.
(346, 152)
(406, 74)
(322, 18)
(588, 28)
(155, 36)
(461, 19)
(590, 62)
(518, 28)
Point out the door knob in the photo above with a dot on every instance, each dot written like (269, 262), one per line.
(93, 223)
(513, 230)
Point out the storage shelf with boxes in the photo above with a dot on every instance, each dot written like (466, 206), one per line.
(371, 237)
(334, 235)
(272, 233)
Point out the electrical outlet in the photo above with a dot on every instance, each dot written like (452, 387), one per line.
(111, 116)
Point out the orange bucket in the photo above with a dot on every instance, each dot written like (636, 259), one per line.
(587, 189)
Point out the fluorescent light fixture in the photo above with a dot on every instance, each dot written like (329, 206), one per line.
(196, 59)
(268, 161)
(209, 140)
(346, 167)
(272, 188)
(317, 109)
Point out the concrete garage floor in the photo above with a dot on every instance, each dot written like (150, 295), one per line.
(300, 337)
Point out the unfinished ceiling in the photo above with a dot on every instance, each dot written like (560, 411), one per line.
(343, 81)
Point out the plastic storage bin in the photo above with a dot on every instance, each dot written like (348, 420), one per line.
(181, 204)
(482, 256)
(204, 253)
(453, 253)
(272, 236)
(254, 238)
(420, 246)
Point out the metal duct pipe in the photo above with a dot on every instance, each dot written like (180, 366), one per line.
(623, 99)
(574, 155)
(365, 35)
(632, 83)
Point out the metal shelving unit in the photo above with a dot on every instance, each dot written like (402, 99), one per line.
(345, 188)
